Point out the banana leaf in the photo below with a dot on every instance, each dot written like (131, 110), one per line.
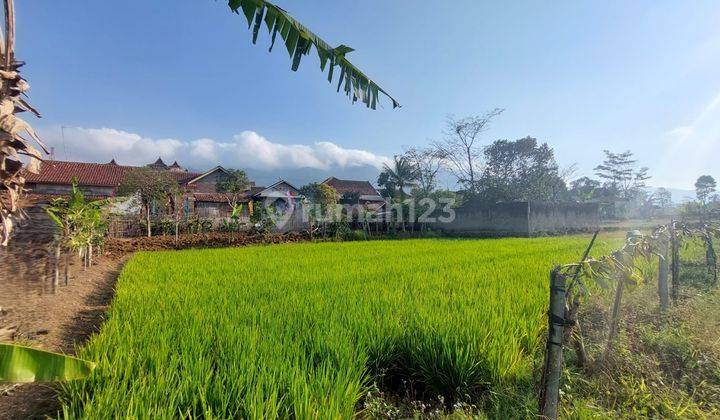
(25, 364)
(299, 41)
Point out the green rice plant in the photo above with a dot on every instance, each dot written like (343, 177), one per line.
(305, 330)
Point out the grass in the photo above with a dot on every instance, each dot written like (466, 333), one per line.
(308, 330)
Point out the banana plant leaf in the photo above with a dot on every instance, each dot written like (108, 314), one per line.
(24, 364)
(299, 41)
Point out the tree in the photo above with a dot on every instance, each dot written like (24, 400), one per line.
(622, 179)
(234, 186)
(704, 188)
(662, 198)
(150, 187)
(299, 41)
(403, 173)
(520, 170)
(584, 189)
(13, 146)
(461, 151)
(428, 163)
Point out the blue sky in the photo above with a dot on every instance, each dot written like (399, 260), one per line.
(182, 79)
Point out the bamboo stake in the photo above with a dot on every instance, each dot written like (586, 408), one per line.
(552, 369)
(675, 262)
(663, 271)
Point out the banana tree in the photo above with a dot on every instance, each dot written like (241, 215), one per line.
(81, 226)
(23, 364)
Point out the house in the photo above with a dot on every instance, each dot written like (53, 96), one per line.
(101, 180)
(356, 193)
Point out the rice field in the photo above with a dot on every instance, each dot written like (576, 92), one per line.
(305, 330)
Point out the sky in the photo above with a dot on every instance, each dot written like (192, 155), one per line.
(181, 79)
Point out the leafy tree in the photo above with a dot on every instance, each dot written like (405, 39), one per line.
(233, 186)
(622, 179)
(326, 196)
(299, 41)
(520, 170)
(461, 151)
(395, 178)
(704, 188)
(662, 198)
(149, 187)
(584, 189)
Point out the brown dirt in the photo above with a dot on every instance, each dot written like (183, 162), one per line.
(117, 247)
(57, 321)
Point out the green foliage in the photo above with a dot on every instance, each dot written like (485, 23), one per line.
(263, 217)
(304, 330)
(236, 182)
(148, 184)
(704, 188)
(24, 364)
(81, 223)
(622, 179)
(299, 41)
(520, 170)
(394, 179)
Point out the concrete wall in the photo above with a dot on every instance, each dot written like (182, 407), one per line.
(563, 217)
(476, 218)
(522, 218)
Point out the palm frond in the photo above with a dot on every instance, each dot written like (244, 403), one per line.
(299, 41)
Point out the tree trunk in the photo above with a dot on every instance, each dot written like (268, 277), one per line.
(67, 265)
(90, 255)
(58, 250)
(663, 271)
(149, 231)
(552, 369)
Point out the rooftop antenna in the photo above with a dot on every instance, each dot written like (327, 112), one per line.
(65, 153)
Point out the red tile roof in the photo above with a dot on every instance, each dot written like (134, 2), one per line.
(93, 174)
(89, 174)
(344, 186)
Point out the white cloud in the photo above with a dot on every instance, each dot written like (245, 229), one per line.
(245, 150)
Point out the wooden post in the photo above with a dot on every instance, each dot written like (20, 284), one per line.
(663, 271)
(552, 369)
(711, 259)
(674, 263)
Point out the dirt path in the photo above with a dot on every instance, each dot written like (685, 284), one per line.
(57, 321)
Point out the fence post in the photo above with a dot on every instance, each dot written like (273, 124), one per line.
(552, 369)
(711, 258)
(675, 262)
(663, 271)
